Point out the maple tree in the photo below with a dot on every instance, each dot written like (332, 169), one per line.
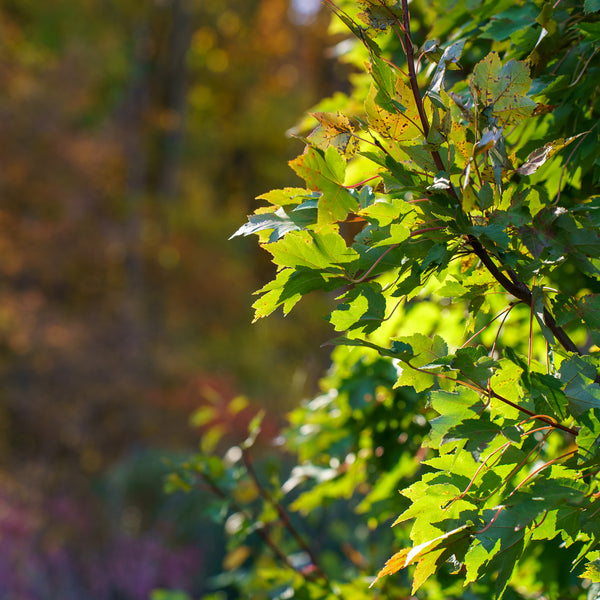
(450, 209)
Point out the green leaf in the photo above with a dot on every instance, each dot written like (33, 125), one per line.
(500, 538)
(363, 307)
(288, 287)
(279, 222)
(577, 374)
(426, 351)
(287, 196)
(383, 212)
(478, 432)
(503, 88)
(590, 6)
(398, 350)
(325, 250)
(502, 25)
(588, 438)
(475, 364)
(506, 382)
(546, 392)
(325, 171)
(453, 408)
(380, 15)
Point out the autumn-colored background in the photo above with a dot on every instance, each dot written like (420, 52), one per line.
(135, 137)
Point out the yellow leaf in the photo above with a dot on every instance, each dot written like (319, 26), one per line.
(401, 125)
(236, 558)
(393, 565)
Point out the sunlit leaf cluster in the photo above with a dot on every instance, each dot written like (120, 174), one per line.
(450, 212)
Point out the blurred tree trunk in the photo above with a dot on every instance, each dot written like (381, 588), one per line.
(132, 124)
(174, 88)
(152, 125)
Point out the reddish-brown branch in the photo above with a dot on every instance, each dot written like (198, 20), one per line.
(412, 76)
(515, 287)
(490, 392)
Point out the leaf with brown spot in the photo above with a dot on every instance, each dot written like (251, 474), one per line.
(503, 88)
(401, 125)
(335, 130)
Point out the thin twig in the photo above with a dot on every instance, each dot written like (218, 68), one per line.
(264, 536)
(513, 304)
(506, 310)
(283, 515)
(562, 172)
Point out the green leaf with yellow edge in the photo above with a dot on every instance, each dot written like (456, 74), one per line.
(325, 171)
(288, 195)
(453, 549)
(592, 568)
(337, 130)
(503, 88)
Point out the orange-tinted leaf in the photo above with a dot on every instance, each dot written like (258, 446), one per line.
(393, 565)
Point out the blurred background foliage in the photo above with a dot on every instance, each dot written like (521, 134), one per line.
(135, 135)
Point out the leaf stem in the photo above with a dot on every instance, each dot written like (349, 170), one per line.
(500, 509)
(370, 270)
(506, 310)
(541, 468)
